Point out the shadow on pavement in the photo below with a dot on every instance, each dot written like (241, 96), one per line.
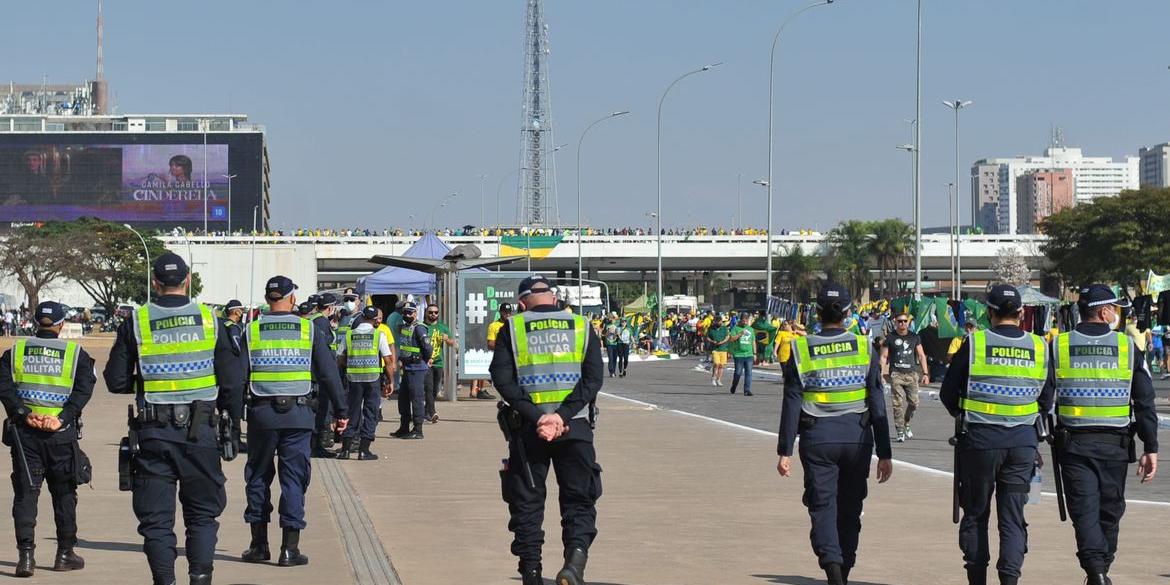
(136, 547)
(552, 582)
(799, 580)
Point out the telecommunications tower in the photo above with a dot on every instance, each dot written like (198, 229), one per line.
(536, 203)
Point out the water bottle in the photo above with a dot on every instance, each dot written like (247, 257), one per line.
(1034, 492)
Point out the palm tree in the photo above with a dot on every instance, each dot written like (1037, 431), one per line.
(893, 242)
(850, 244)
(799, 270)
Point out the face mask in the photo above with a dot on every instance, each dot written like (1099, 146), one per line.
(1115, 322)
(350, 305)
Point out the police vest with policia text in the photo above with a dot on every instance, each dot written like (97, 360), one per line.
(832, 370)
(548, 349)
(1094, 379)
(1007, 375)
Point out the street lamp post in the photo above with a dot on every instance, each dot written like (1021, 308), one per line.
(951, 196)
(482, 207)
(771, 116)
(252, 280)
(229, 218)
(658, 214)
(442, 203)
(957, 105)
(580, 261)
(918, 158)
(146, 252)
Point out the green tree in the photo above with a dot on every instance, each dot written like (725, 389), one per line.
(39, 256)
(799, 272)
(850, 255)
(892, 246)
(1111, 239)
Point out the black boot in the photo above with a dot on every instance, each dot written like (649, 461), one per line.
(200, 579)
(403, 430)
(319, 449)
(346, 449)
(290, 554)
(976, 575)
(26, 566)
(415, 434)
(845, 574)
(573, 572)
(1005, 579)
(67, 560)
(364, 453)
(531, 575)
(258, 550)
(834, 574)
(1098, 579)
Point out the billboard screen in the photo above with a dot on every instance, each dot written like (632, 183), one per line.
(45, 178)
(481, 294)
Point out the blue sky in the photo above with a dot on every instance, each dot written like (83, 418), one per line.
(374, 109)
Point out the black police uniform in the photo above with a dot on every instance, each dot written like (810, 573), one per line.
(835, 453)
(1094, 462)
(171, 453)
(322, 434)
(365, 400)
(285, 435)
(572, 455)
(997, 462)
(412, 388)
(52, 456)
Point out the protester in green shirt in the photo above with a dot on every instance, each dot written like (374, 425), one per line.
(718, 335)
(440, 339)
(743, 352)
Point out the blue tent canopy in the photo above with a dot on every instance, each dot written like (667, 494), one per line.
(396, 280)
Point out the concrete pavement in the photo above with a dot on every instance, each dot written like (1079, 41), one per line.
(687, 500)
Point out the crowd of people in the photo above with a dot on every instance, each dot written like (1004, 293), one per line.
(472, 231)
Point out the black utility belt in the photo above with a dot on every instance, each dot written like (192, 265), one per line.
(283, 404)
(1118, 439)
(179, 415)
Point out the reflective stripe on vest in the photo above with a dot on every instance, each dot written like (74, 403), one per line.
(176, 353)
(832, 371)
(280, 352)
(1094, 375)
(1007, 374)
(406, 338)
(44, 370)
(548, 349)
(363, 359)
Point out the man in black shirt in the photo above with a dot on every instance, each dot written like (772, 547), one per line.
(902, 353)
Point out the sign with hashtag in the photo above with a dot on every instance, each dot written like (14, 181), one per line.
(482, 293)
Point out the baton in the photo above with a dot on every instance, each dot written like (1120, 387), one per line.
(19, 444)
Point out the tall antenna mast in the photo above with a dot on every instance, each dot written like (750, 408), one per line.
(536, 198)
(99, 91)
(101, 65)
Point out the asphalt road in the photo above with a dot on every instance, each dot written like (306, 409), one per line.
(676, 385)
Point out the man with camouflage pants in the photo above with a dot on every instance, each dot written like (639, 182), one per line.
(900, 352)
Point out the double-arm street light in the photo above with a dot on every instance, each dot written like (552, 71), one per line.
(957, 105)
(580, 232)
(658, 214)
(771, 116)
(229, 209)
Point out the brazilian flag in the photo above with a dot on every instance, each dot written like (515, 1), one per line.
(765, 332)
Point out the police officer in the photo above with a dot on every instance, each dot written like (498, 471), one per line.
(44, 384)
(1104, 395)
(414, 342)
(179, 361)
(996, 384)
(547, 367)
(234, 313)
(284, 356)
(321, 315)
(833, 399)
(366, 356)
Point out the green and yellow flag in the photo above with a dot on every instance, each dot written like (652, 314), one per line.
(523, 245)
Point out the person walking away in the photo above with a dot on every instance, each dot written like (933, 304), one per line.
(902, 353)
(998, 382)
(626, 337)
(743, 353)
(179, 362)
(1104, 395)
(321, 314)
(414, 342)
(367, 358)
(440, 340)
(493, 330)
(611, 347)
(718, 335)
(547, 416)
(45, 384)
(839, 427)
(284, 356)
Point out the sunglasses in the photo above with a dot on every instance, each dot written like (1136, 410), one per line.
(902, 321)
(432, 312)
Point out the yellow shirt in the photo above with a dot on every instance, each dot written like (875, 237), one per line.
(784, 345)
(955, 343)
(386, 331)
(494, 329)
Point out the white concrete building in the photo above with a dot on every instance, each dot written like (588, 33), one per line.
(1155, 166)
(1093, 176)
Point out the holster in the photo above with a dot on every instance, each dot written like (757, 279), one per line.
(82, 466)
(229, 446)
(511, 424)
(128, 451)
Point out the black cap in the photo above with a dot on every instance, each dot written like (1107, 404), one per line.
(50, 313)
(326, 300)
(170, 269)
(833, 294)
(278, 287)
(505, 307)
(233, 304)
(305, 308)
(408, 307)
(532, 285)
(1099, 295)
(370, 312)
(349, 296)
(313, 298)
(1004, 298)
